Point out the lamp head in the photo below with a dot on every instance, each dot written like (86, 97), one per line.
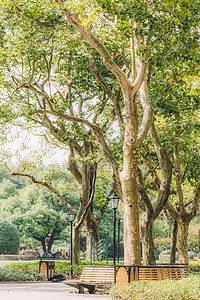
(71, 216)
(114, 200)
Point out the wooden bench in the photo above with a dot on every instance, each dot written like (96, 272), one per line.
(162, 272)
(93, 276)
(127, 274)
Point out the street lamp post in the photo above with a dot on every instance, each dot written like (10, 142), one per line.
(118, 240)
(71, 216)
(114, 201)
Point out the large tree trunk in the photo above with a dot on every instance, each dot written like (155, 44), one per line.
(147, 236)
(132, 251)
(174, 231)
(182, 245)
(44, 245)
(88, 189)
(76, 234)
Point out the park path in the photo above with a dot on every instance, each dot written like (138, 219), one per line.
(43, 291)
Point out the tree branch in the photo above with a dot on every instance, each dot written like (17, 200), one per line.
(145, 125)
(36, 20)
(143, 194)
(73, 166)
(107, 59)
(110, 94)
(178, 180)
(113, 25)
(100, 139)
(52, 189)
(195, 202)
(172, 211)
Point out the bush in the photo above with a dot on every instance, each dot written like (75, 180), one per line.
(191, 254)
(19, 275)
(194, 266)
(9, 238)
(61, 267)
(24, 267)
(187, 288)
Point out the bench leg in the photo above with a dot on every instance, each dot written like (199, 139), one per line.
(80, 289)
(92, 289)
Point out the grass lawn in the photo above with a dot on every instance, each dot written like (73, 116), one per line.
(8, 262)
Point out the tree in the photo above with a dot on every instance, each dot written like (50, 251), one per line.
(180, 134)
(9, 238)
(77, 138)
(130, 193)
(151, 27)
(42, 224)
(37, 213)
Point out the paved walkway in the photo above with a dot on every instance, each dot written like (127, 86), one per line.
(43, 291)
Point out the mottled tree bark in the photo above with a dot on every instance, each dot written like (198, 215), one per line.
(182, 216)
(91, 223)
(147, 237)
(182, 244)
(174, 232)
(149, 211)
(76, 234)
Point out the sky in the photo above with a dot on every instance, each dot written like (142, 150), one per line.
(23, 145)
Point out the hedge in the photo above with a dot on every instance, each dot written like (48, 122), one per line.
(194, 266)
(19, 275)
(187, 288)
(60, 268)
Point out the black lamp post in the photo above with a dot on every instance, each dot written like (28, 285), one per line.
(71, 216)
(118, 240)
(114, 201)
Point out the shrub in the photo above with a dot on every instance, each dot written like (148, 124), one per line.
(24, 267)
(187, 288)
(61, 267)
(9, 238)
(191, 254)
(19, 275)
(194, 266)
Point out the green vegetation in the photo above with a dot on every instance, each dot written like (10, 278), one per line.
(64, 266)
(117, 84)
(40, 217)
(187, 288)
(19, 275)
(194, 266)
(29, 270)
(38, 214)
(9, 238)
